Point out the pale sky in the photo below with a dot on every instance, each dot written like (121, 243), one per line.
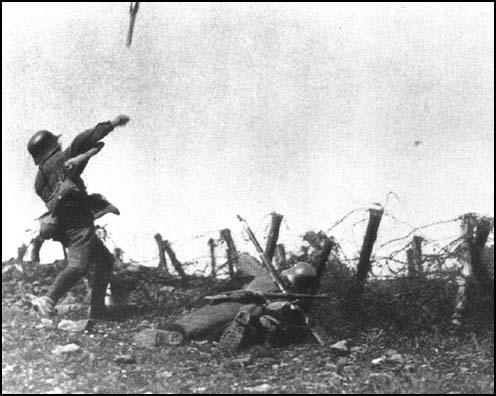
(310, 110)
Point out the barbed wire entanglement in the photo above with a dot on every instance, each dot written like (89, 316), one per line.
(389, 257)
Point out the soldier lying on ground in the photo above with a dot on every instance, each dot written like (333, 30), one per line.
(249, 317)
(70, 219)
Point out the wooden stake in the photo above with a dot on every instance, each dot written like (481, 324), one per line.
(368, 243)
(232, 252)
(417, 253)
(175, 262)
(211, 244)
(162, 264)
(481, 272)
(270, 247)
(357, 287)
(280, 259)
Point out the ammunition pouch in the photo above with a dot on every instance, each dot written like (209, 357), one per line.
(49, 226)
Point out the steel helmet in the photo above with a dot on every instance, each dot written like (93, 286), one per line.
(300, 273)
(42, 144)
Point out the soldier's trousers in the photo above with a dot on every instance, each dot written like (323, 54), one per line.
(86, 256)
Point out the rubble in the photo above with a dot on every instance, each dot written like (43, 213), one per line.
(62, 349)
(340, 347)
(127, 359)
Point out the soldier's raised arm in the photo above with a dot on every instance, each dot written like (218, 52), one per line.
(88, 139)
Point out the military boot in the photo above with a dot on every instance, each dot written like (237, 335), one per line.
(234, 336)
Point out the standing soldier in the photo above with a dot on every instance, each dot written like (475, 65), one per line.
(70, 219)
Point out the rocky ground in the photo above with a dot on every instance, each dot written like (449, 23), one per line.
(38, 358)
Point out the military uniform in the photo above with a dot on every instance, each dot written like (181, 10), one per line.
(86, 254)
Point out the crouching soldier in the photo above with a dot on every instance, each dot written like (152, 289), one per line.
(251, 315)
(71, 213)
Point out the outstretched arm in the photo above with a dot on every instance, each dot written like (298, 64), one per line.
(88, 139)
(73, 164)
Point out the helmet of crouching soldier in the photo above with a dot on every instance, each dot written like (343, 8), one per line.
(302, 276)
(42, 144)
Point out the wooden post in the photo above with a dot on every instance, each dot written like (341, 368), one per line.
(270, 247)
(464, 258)
(211, 244)
(162, 264)
(280, 259)
(470, 251)
(417, 253)
(175, 262)
(411, 266)
(232, 252)
(363, 268)
(480, 270)
(414, 257)
(368, 243)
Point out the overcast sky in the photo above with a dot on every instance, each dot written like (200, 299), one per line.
(310, 110)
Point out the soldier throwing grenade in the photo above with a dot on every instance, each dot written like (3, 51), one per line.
(70, 219)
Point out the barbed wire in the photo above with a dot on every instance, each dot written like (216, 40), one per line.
(419, 228)
(344, 218)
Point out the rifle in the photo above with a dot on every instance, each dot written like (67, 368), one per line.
(277, 279)
(260, 297)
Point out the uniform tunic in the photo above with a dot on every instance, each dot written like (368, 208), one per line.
(86, 253)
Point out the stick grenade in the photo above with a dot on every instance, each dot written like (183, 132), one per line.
(133, 10)
(276, 278)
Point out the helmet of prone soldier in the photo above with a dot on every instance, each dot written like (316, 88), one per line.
(302, 276)
(43, 144)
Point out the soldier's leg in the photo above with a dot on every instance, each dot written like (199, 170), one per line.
(79, 244)
(99, 278)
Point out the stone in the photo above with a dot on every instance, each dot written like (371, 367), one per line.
(167, 289)
(340, 364)
(66, 308)
(45, 324)
(77, 326)
(391, 352)
(259, 389)
(198, 342)
(378, 361)
(164, 374)
(62, 349)
(396, 358)
(127, 359)
(340, 347)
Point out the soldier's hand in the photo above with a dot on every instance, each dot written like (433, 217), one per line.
(120, 120)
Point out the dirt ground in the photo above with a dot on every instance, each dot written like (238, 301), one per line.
(426, 363)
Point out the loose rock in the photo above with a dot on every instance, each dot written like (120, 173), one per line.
(378, 361)
(340, 347)
(259, 388)
(127, 359)
(69, 348)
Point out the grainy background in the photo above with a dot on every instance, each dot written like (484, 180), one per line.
(306, 109)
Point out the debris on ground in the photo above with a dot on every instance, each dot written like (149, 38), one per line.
(69, 348)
